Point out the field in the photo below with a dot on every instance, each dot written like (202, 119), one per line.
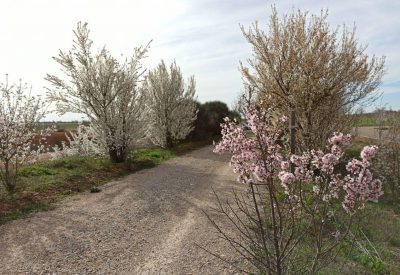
(372, 119)
(63, 126)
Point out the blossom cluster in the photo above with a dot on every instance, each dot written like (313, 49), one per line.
(255, 158)
(83, 142)
(258, 157)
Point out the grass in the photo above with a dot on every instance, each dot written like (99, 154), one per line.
(42, 184)
(366, 120)
(377, 250)
(147, 158)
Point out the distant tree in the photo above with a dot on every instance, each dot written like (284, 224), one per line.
(170, 105)
(216, 112)
(300, 63)
(209, 118)
(20, 114)
(103, 89)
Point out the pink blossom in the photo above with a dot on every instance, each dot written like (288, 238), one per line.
(258, 158)
(286, 178)
(368, 152)
(285, 165)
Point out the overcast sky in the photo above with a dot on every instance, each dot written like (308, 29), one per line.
(203, 36)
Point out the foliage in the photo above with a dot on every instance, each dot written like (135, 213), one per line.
(170, 105)
(387, 164)
(300, 63)
(19, 117)
(299, 207)
(95, 189)
(103, 89)
(209, 118)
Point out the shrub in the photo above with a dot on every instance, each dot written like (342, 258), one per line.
(298, 208)
(209, 118)
(323, 74)
(387, 163)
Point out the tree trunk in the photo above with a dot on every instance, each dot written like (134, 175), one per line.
(117, 155)
(169, 141)
(10, 185)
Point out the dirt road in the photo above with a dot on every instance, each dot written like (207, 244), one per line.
(145, 223)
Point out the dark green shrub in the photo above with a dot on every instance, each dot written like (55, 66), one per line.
(210, 116)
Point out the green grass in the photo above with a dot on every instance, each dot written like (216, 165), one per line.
(147, 158)
(378, 234)
(364, 121)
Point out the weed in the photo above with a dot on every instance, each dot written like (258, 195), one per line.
(95, 189)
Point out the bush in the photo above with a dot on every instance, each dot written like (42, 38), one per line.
(387, 164)
(210, 116)
(297, 209)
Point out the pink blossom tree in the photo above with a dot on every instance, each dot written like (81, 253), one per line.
(299, 207)
(20, 113)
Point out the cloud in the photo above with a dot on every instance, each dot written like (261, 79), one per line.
(203, 36)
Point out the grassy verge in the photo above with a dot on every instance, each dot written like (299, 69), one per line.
(42, 184)
(364, 121)
(377, 246)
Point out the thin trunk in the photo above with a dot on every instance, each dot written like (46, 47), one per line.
(10, 185)
(117, 155)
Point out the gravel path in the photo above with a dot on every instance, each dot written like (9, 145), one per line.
(146, 223)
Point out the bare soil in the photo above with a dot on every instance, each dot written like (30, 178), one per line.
(150, 222)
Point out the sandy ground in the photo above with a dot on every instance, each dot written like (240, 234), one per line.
(146, 223)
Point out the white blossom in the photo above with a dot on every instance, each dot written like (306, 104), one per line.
(20, 136)
(83, 142)
(170, 106)
(103, 89)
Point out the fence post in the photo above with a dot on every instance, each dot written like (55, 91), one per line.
(292, 134)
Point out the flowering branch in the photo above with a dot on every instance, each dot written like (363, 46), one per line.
(303, 203)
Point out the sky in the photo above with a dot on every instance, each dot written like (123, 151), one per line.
(203, 36)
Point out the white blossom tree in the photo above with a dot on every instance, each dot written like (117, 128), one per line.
(103, 89)
(83, 142)
(170, 105)
(20, 134)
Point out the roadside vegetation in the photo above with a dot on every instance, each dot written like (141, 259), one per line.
(45, 183)
(311, 207)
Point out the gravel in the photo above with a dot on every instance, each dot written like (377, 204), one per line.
(150, 222)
